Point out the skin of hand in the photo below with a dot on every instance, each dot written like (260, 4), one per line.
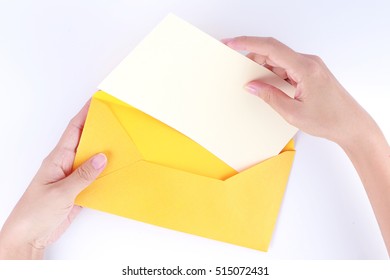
(322, 107)
(47, 208)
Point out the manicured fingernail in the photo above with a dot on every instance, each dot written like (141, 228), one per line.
(226, 40)
(99, 161)
(251, 88)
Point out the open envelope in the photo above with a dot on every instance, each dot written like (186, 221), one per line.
(157, 175)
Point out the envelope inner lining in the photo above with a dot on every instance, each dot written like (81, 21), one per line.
(161, 144)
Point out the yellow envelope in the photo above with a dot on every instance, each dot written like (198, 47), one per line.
(157, 175)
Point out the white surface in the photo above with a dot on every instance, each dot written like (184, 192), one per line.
(54, 53)
(195, 84)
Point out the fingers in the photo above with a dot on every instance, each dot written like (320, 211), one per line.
(84, 175)
(269, 64)
(257, 58)
(71, 136)
(261, 59)
(275, 52)
(60, 160)
(278, 100)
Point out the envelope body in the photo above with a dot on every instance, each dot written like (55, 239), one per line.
(158, 176)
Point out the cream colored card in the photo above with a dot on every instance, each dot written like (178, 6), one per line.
(195, 84)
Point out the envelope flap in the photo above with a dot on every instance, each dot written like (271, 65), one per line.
(241, 210)
(103, 133)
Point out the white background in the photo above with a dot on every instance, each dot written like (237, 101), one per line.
(54, 53)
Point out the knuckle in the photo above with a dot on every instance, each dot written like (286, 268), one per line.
(267, 96)
(48, 160)
(84, 173)
(74, 123)
(74, 119)
(271, 41)
(314, 65)
(71, 121)
(243, 38)
(272, 45)
(315, 59)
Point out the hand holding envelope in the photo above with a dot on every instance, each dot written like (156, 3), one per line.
(207, 160)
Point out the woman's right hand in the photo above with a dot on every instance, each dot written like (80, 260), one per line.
(321, 106)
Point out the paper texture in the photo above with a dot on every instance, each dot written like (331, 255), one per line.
(159, 176)
(195, 84)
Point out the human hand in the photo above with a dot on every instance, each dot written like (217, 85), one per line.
(321, 106)
(47, 208)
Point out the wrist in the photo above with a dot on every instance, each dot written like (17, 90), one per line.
(356, 129)
(12, 249)
(365, 138)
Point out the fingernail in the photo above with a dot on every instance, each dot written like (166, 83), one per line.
(99, 161)
(226, 40)
(251, 88)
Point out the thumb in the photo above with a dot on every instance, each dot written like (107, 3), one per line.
(85, 174)
(277, 99)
